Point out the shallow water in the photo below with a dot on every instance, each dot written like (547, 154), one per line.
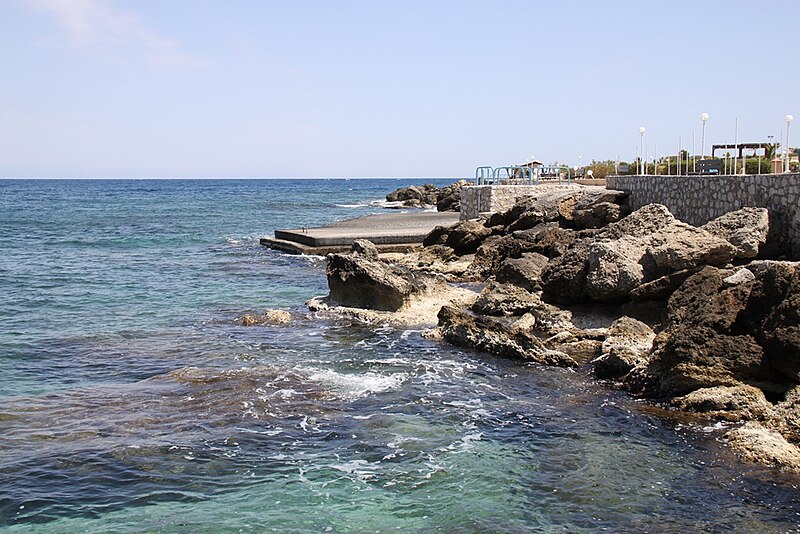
(131, 400)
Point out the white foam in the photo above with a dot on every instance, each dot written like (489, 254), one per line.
(353, 386)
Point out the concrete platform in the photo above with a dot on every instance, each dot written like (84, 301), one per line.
(391, 232)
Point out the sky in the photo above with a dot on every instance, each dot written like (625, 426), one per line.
(404, 88)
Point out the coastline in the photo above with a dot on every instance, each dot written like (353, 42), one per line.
(524, 306)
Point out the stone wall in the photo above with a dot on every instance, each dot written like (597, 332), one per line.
(696, 200)
(477, 199)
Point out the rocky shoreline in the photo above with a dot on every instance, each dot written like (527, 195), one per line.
(447, 198)
(695, 318)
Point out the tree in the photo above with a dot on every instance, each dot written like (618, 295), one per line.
(601, 169)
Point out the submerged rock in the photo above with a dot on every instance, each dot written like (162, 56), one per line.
(269, 317)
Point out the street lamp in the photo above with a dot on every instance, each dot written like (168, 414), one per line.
(642, 130)
(789, 120)
(703, 118)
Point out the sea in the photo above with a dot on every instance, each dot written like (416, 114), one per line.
(132, 399)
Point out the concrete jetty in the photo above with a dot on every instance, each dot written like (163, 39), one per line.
(391, 232)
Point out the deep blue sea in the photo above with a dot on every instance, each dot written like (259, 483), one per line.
(131, 400)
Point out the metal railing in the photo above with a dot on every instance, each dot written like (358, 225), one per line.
(522, 175)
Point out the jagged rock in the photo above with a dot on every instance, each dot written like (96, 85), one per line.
(742, 276)
(705, 344)
(764, 446)
(613, 269)
(746, 229)
(644, 246)
(685, 359)
(360, 282)
(425, 194)
(505, 299)
(525, 271)
(448, 198)
(491, 254)
(705, 300)
(494, 336)
(785, 417)
(681, 246)
(437, 236)
(732, 403)
(780, 333)
(643, 222)
(365, 248)
(564, 278)
(465, 237)
(597, 215)
(579, 207)
(547, 239)
(663, 287)
(627, 345)
(550, 206)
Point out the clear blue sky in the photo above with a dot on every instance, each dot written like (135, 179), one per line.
(166, 88)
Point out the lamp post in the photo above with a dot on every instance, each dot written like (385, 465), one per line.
(703, 118)
(789, 119)
(642, 130)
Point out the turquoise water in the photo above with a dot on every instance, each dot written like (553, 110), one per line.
(132, 401)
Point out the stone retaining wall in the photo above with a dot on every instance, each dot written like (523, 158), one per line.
(477, 199)
(696, 200)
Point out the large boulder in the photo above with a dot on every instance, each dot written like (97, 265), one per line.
(465, 237)
(548, 239)
(579, 207)
(525, 271)
(681, 246)
(611, 264)
(614, 269)
(688, 358)
(492, 252)
(785, 417)
(424, 194)
(732, 403)
(437, 236)
(505, 299)
(495, 336)
(721, 331)
(448, 198)
(564, 278)
(764, 446)
(360, 280)
(746, 229)
(627, 345)
(780, 332)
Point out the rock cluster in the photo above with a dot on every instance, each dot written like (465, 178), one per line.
(692, 316)
(447, 198)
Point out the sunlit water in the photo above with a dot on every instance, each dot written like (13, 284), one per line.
(131, 400)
